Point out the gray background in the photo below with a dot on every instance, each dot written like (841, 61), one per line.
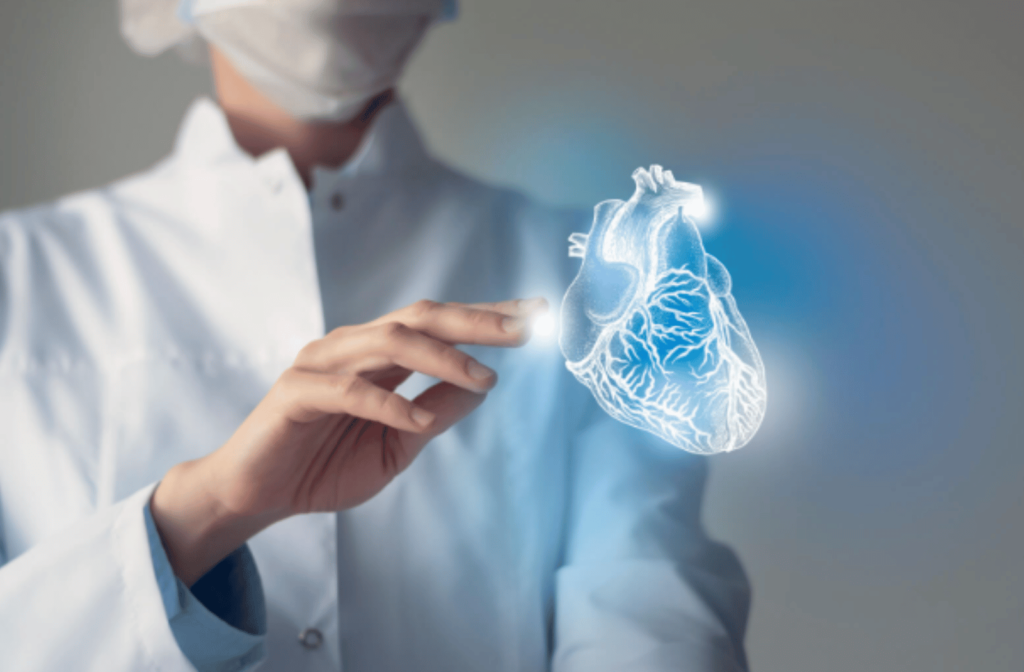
(865, 160)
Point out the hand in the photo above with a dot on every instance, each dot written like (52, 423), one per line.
(332, 432)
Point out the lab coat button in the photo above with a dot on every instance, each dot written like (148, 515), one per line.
(311, 638)
(337, 201)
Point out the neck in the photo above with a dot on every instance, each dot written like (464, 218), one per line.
(259, 125)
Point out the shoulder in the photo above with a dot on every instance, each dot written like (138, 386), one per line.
(45, 221)
(70, 220)
(41, 244)
(62, 261)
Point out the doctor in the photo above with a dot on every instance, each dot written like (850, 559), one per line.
(237, 428)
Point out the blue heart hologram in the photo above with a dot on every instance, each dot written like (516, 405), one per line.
(650, 325)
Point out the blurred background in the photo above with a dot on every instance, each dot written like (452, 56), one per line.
(865, 163)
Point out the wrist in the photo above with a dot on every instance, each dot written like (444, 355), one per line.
(196, 527)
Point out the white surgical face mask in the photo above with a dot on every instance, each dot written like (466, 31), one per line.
(317, 59)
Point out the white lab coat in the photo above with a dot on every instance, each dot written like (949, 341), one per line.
(141, 322)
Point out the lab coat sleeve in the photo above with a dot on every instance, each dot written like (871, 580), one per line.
(642, 588)
(89, 599)
(220, 622)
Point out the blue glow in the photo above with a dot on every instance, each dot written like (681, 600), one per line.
(650, 326)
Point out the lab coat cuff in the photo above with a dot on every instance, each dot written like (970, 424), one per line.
(220, 623)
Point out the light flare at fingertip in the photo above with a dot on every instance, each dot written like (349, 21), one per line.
(543, 326)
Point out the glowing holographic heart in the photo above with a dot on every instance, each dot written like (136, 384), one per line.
(650, 326)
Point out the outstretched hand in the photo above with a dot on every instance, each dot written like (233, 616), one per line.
(332, 432)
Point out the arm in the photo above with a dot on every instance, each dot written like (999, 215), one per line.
(642, 587)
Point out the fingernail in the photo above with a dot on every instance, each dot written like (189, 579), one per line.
(511, 324)
(530, 305)
(478, 371)
(421, 417)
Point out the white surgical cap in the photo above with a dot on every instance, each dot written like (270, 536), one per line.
(151, 27)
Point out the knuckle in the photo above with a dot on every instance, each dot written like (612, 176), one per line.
(308, 354)
(453, 357)
(286, 389)
(424, 307)
(487, 320)
(288, 377)
(392, 403)
(393, 331)
(339, 332)
(346, 385)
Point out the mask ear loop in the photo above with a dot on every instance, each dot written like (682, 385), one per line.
(375, 105)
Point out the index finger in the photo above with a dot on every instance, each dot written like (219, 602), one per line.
(461, 324)
(515, 307)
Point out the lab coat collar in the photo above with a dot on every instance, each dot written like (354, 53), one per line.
(205, 137)
(393, 145)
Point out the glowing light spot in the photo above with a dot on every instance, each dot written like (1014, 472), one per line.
(697, 209)
(543, 326)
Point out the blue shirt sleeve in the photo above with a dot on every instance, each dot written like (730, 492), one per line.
(221, 622)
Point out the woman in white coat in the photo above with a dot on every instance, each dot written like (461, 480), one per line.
(204, 462)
